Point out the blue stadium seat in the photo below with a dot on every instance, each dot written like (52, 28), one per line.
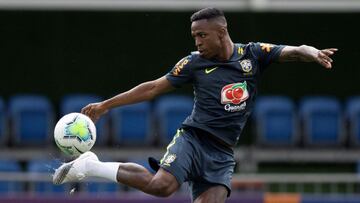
(275, 121)
(10, 187)
(40, 167)
(75, 102)
(3, 129)
(170, 112)
(32, 120)
(131, 124)
(322, 121)
(352, 111)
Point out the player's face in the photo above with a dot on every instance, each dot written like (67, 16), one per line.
(206, 36)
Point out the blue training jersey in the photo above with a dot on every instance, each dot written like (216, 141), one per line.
(224, 91)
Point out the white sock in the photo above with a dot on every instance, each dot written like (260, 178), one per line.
(107, 170)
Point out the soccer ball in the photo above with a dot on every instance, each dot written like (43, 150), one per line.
(75, 134)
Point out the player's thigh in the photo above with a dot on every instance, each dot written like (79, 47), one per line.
(179, 157)
(164, 182)
(215, 194)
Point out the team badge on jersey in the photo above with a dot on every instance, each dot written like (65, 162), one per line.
(233, 94)
(246, 65)
(169, 159)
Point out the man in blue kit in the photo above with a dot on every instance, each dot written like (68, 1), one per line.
(224, 76)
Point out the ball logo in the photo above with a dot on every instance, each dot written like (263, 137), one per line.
(78, 129)
(234, 93)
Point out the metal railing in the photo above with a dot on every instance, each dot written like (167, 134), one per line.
(316, 183)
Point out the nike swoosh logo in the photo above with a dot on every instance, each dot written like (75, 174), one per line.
(209, 70)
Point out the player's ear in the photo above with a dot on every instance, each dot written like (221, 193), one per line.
(222, 32)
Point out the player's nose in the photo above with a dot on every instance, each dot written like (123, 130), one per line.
(198, 43)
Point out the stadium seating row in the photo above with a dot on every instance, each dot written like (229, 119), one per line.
(315, 121)
(318, 122)
(29, 120)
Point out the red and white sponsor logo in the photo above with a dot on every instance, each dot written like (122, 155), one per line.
(234, 93)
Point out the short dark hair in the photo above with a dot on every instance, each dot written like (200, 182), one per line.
(207, 13)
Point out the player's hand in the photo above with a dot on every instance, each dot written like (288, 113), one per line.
(323, 57)
(94, 111)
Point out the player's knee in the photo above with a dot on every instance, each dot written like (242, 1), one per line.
(205, 200)
(162, 187)
(165, 192)
(162, 190)
(217, 194)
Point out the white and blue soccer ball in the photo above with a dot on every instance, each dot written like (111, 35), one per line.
(75, 133)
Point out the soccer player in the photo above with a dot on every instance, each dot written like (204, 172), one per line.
(224, 76)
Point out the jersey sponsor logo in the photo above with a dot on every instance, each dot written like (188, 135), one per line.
(266, 47)
(233, 108)
(179, 66)
(233, 94)
(209, 70)
(246, 65)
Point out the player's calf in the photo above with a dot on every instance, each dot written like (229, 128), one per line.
(162, 184)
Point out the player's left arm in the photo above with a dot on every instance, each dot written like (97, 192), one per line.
(306, 53)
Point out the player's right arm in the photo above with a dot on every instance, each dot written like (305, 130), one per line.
(142, 92)
(179, 75)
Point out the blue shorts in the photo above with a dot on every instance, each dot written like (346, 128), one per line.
(194, 157)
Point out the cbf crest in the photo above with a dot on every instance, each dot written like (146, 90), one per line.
(169, 159)
(246, 65)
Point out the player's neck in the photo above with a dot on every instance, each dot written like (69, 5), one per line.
(227, 51)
